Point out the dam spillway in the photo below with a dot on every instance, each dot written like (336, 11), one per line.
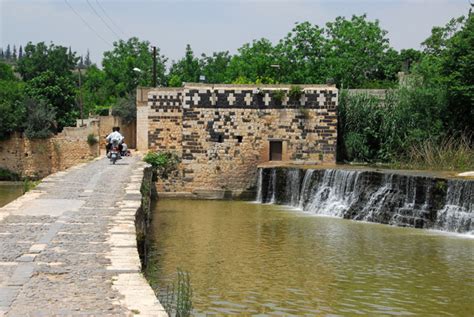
(382, 197)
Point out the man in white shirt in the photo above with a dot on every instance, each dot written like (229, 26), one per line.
(114, 136)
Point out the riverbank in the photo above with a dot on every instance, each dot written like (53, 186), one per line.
(69, 246)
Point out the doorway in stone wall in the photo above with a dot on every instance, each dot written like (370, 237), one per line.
(276, 150)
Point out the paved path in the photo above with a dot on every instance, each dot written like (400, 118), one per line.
(68, 248)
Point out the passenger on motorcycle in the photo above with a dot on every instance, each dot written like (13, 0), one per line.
(114, 136)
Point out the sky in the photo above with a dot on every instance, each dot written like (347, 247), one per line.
(207, 25)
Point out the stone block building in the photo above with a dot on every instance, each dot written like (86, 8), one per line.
(223, 132)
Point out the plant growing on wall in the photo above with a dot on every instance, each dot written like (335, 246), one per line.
(164, 163)
(279, 96)
(295, 93)
(92, 139)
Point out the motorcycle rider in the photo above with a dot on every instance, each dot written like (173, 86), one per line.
(114, 136)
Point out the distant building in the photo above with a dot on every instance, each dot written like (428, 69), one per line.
(223, 132)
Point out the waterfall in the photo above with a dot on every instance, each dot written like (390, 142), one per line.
(259, 185)
(272, 186)
(334, 194)
(305, 189)
(389, 198)
(292, 188)
(458, 212)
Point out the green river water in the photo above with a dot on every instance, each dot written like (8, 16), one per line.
(9, 192)
(264, 260)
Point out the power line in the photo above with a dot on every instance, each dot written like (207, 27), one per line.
(105, 13)
(100, 17)
(87, 24)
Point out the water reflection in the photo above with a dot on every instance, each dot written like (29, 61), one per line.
(256, 259)
(9, 191)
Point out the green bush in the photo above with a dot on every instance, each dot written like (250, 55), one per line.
(279, 95)
(126, 109)
(40, 123)
(295, 92)
(373, 129)
(164, 163)
(92, 139)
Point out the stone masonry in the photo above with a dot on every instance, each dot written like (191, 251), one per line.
(223, 132)
(68, 247)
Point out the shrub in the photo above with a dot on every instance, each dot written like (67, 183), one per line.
(92, 139)
(40, 123)
(163, 163)
(295, 92)
(279, 95)
(126, 109)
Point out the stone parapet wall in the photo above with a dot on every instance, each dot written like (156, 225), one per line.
(39, 158)
(222, 132)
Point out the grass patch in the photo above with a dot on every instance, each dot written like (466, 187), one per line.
(449, 153)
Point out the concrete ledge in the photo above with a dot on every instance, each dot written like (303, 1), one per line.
(211, 194)
(138, 296)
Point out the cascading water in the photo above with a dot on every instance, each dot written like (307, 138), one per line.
(259, 185)
(458, 212)
(292, 190)
(390, 198)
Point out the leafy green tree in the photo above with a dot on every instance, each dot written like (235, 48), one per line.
(302, 55)
(436, 43)
(215, 67)
(119, 65)
(6, 72)
(126, 108)
(355, 50)
(253, 63)
(458, 69)
(87, 60)
(57, 93)
(96, 96)
(186, 69)
(13, 113)
(40, 58)
(40, 123)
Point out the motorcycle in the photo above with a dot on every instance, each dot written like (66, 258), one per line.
(114, 153)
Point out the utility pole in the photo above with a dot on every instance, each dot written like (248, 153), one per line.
(154, 66)
(80, 97)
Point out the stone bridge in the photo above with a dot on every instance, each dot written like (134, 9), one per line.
(68, 247)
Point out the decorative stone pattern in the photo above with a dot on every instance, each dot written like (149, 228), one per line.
(222, 132)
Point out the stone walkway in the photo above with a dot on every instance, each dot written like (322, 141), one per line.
(68, 248)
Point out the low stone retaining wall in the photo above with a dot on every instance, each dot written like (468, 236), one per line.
(40, 158)
(127, 239)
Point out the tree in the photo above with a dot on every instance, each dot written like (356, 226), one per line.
(12, 111)
(215, 67)
(14, 56)
(80, 64)
(457, 67)
(8, 53)
(20, 52)
(302, 54)
(253, 63)
(40, 58)
(57, 93)
(119, 65)
(40, 123)
(186, 69)
(87, 60)
(437, 42)
(6, 72)
(2, 54)
(96, 96)
(355, 50)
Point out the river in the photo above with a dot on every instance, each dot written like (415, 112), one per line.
(9, 191)
(266, 260)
